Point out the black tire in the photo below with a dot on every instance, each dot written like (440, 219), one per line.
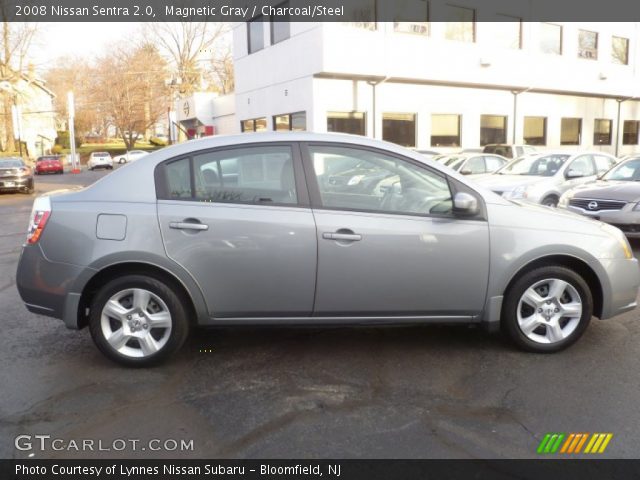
(29, 190)
(550, 201)
(173, 300)
(509, 320)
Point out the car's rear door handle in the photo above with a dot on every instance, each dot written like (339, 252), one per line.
(345, 237)
(188, 226)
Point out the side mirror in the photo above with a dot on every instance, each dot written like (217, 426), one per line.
(465, 171)
(573, 174)
(465, 204)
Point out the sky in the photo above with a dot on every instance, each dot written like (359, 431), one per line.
(77, 39)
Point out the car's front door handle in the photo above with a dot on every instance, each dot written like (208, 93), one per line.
(345, 237)
(188, 226)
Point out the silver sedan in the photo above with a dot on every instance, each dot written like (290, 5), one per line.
(303, 228)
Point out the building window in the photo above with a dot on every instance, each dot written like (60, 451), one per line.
(507, 33)
(445, 130)
(587, 44)
(363, 13)
(280, 24)
(254, 125)
(620, 50)
(570, 131)
(602, 132)
(461, 25)
(630, 132)
(399, 128)
(535, 130)
(493, 129)
(346, 122)
(255, 31)
(551, 38)
(290, 122)
(417, 10)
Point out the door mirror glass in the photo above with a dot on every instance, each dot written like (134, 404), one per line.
(465, 204)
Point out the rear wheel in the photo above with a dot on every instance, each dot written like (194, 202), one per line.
(547, 309)
(138, 321)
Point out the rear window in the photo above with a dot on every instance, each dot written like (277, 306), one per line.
(49, 158)
(100, 154)
(11, 163)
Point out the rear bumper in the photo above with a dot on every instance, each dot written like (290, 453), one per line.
(18, 183)
(624, 280)
(44, 285)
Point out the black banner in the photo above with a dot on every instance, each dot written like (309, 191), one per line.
(360, 11)
(547, 469)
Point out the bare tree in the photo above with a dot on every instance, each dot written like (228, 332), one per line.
(191, 48)
(17, 39)
(132, 88)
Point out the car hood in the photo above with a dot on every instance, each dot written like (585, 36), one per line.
(506, 183)
(609, 190)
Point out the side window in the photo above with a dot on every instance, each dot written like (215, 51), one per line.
(582, 166)
(354, 179)
(493, 163)
(178, 175)
(519, 151)
(262, 175)
(603, 163)
(474, 166)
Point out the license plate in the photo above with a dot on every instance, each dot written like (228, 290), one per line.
(9, 184)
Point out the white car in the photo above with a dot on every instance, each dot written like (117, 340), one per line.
(130, 156)
(100, 160)
(544, 177)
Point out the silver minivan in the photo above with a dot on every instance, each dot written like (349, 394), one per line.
(544, 177)
(306, 229)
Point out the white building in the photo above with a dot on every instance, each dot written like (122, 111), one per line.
(444, 85)
(203, 114)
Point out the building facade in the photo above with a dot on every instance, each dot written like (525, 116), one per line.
(444, 85)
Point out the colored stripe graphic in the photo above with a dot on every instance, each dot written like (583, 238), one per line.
(573, 443)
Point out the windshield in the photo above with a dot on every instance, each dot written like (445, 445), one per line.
(546, 166)
(627, 171)
(453, 159)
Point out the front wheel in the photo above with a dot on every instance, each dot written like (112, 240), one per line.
(138, 321)
(550, 201)
(547, 309)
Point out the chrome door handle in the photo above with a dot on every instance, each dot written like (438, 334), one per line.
(349, 237)
(188, 226)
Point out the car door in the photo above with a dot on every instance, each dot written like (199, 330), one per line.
(249, 239)
(493, 163)
(388, 244)
(473, 166)
(578, 171)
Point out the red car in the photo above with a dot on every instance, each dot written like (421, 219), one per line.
(49, 164)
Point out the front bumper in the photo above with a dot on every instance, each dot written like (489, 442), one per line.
(620, 295)
(626, 219)
(44, 285)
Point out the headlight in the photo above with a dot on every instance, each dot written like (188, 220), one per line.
(518, 192)
(564, 199)
(620, 237)
(355, 180)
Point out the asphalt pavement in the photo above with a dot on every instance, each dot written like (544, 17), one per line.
(403, 392)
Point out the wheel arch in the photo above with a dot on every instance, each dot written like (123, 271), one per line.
(195, 305)
(578, 265)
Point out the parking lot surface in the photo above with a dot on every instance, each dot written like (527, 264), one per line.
(404, 392)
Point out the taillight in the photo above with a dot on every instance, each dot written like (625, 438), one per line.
(39, 216)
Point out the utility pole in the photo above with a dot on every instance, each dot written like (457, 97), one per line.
(75, 166)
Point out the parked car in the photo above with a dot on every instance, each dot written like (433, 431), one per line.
(100, 160)
(475, 164)
(509, 151)
(165, 248)
(544, 177)
(49, 164)
(430, 154)
(15, 175)
(614, 198)
(130, 156)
